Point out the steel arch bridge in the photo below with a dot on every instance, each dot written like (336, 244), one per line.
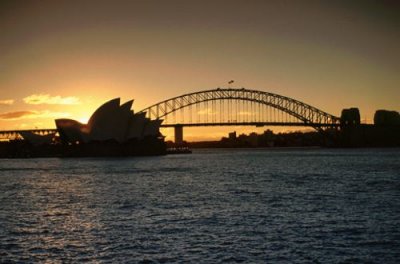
(221, 102)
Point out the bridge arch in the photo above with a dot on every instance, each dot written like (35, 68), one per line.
(305, 113)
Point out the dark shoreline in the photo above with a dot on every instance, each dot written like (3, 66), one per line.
(23, 149)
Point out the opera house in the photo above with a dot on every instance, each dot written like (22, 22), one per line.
(111, 121)
(112, 130)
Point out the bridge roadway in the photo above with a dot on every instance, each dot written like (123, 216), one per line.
(256, 124)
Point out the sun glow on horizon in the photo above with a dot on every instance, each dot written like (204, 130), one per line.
(83, 120)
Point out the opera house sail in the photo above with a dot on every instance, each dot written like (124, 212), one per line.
(112, 130)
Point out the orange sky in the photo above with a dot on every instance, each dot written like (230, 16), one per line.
(65, 58)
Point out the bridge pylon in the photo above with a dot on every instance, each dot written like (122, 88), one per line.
(178, 131)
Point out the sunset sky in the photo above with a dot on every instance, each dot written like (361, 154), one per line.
(65, 58)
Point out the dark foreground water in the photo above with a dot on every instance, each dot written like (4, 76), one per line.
(265, 206)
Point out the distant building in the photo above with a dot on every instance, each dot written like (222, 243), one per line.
(386, 118)
(232, 135)
(350, 117)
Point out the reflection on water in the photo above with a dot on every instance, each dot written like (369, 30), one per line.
(211, 206)
(55, 215)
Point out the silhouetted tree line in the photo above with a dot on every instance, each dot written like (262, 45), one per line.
(267, 139)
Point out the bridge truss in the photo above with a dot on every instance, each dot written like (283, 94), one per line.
(229, 106)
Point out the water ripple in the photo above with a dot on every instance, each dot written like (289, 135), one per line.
(214, 206)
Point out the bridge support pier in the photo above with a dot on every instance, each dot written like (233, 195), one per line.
(178, 129)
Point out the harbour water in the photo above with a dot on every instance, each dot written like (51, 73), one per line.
(212, 206)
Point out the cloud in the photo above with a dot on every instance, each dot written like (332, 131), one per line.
(36, 99)
(6, 102)
(17, 115)
(31, 115)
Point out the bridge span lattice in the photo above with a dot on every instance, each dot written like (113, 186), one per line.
(230, 106)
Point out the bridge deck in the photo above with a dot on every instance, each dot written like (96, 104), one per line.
(257, 124)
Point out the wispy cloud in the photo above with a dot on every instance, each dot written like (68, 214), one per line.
(36, 99)
(31, 115)
(6, 102)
